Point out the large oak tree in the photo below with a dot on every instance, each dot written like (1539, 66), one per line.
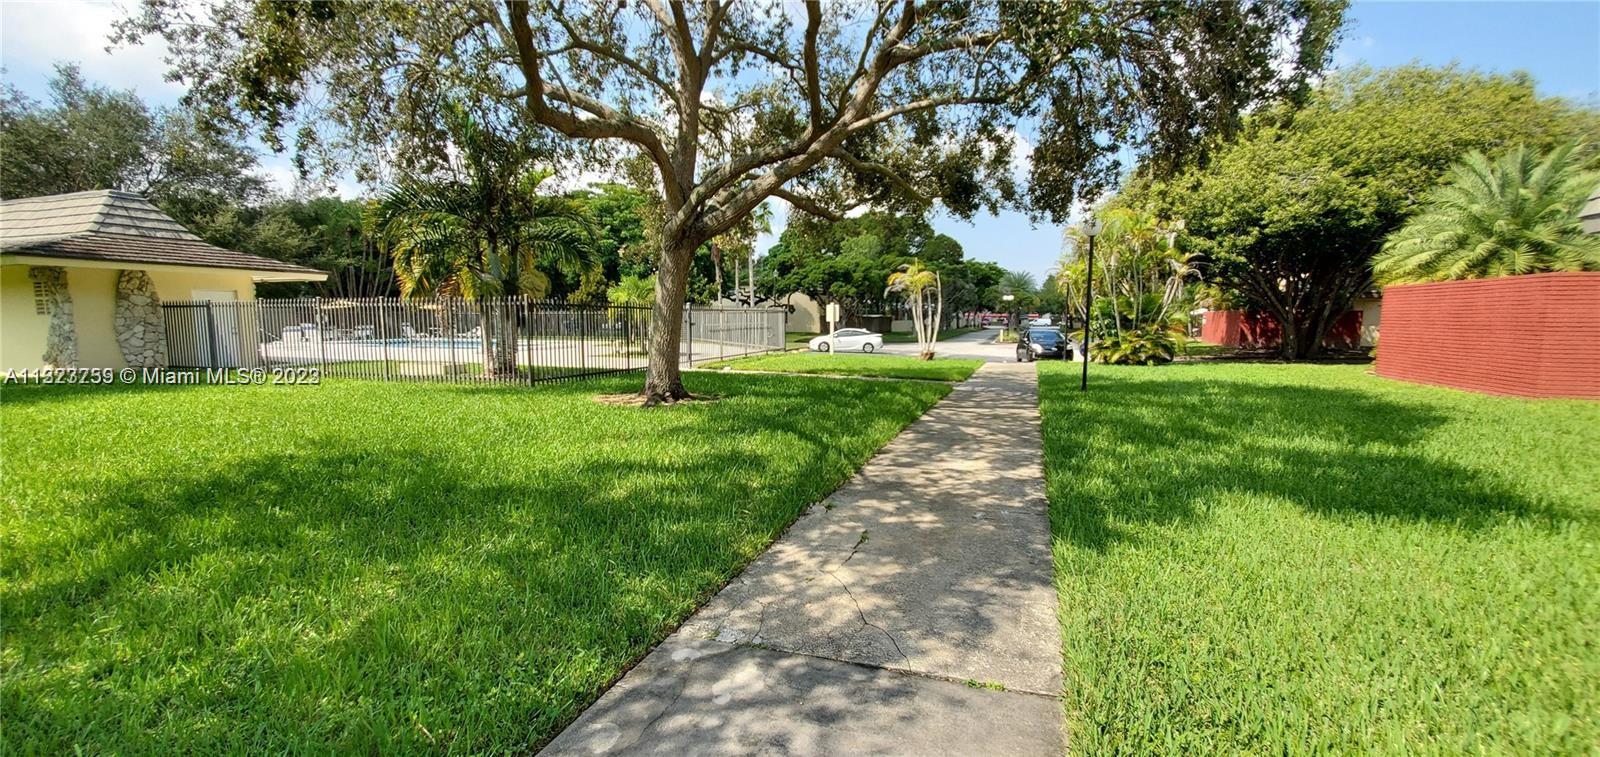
(728, 104)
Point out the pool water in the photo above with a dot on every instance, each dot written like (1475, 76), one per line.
(435, 343)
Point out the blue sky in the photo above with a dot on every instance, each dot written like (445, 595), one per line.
(1558, 43)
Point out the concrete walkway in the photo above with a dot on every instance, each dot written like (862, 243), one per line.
(912, 612)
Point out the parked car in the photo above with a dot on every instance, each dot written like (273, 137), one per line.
(848, 340)
(1040, 342)
(1043, 320)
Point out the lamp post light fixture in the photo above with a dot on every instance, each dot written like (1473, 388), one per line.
(1091, 229)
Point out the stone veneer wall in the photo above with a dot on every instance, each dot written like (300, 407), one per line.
(141, 331)
(61, 343)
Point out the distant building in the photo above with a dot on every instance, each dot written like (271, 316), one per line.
(1591, 213)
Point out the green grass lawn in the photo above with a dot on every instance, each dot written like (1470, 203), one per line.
(1297, 558)
(907, 337)
(880, 366)
(364, 567)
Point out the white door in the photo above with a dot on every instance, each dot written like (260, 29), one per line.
(850, 339)
(220, 326)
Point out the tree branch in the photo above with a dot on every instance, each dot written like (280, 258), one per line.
(902, 54)
(719, 12)
(813, 76)
(576, 41)
(885, 171)
(807, 204)
(801, 153)
(601, 127)
(923, 104)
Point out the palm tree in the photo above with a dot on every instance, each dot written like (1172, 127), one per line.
(1022, 287)
(1142, 285)
(633, 291)
(917, 282)
(1518, 214)
(360, 268)
(1018, 283)
(739, 245)
(633, 296)
(486, 232)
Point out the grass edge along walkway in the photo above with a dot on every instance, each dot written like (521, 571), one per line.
(382, 567)
(1264, 558)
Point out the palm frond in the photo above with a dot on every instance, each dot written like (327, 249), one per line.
(1513, 215)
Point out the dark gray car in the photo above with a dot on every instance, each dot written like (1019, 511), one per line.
(1041, 342)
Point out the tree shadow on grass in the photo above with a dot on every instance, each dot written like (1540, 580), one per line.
(363, 585)
(1154, 449)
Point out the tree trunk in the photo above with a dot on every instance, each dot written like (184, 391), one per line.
(1301, 336)
(502, 325)
(716, 265)
(1288, 339)
(663, 381)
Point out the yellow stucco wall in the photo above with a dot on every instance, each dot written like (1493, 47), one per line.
(181, 285)
(1371, 314)
(94, 310)
(94, 295)
(22, 331)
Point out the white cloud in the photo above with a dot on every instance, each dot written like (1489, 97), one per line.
(281, 176)
(1021, 157)
(1353, 50)
(35, 35)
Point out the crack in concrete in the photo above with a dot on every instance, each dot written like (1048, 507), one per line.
(865, 622)
(683, 686)
(761, 622)
(853, 550)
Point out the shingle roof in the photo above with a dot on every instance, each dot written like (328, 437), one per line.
(112, 225)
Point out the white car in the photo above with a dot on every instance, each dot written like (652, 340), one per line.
(848, 340)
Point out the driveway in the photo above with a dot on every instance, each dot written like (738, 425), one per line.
(978, 344)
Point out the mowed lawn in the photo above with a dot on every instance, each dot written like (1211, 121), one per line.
(854, 364)
(1282, 559)
(364, 567)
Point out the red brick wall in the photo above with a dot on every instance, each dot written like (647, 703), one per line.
(1257, 330)
(1222, 327)
(1527, 336)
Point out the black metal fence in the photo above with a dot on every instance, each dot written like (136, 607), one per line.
(505, 339)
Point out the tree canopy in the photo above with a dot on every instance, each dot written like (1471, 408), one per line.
(1289, 217)
(893, 104)
(92, 137)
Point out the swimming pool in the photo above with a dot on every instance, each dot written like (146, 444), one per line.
(431, 343)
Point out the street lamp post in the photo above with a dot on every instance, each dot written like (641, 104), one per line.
(1091, 230)
(1011, 314)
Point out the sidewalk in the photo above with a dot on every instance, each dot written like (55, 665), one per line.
(912, 612)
